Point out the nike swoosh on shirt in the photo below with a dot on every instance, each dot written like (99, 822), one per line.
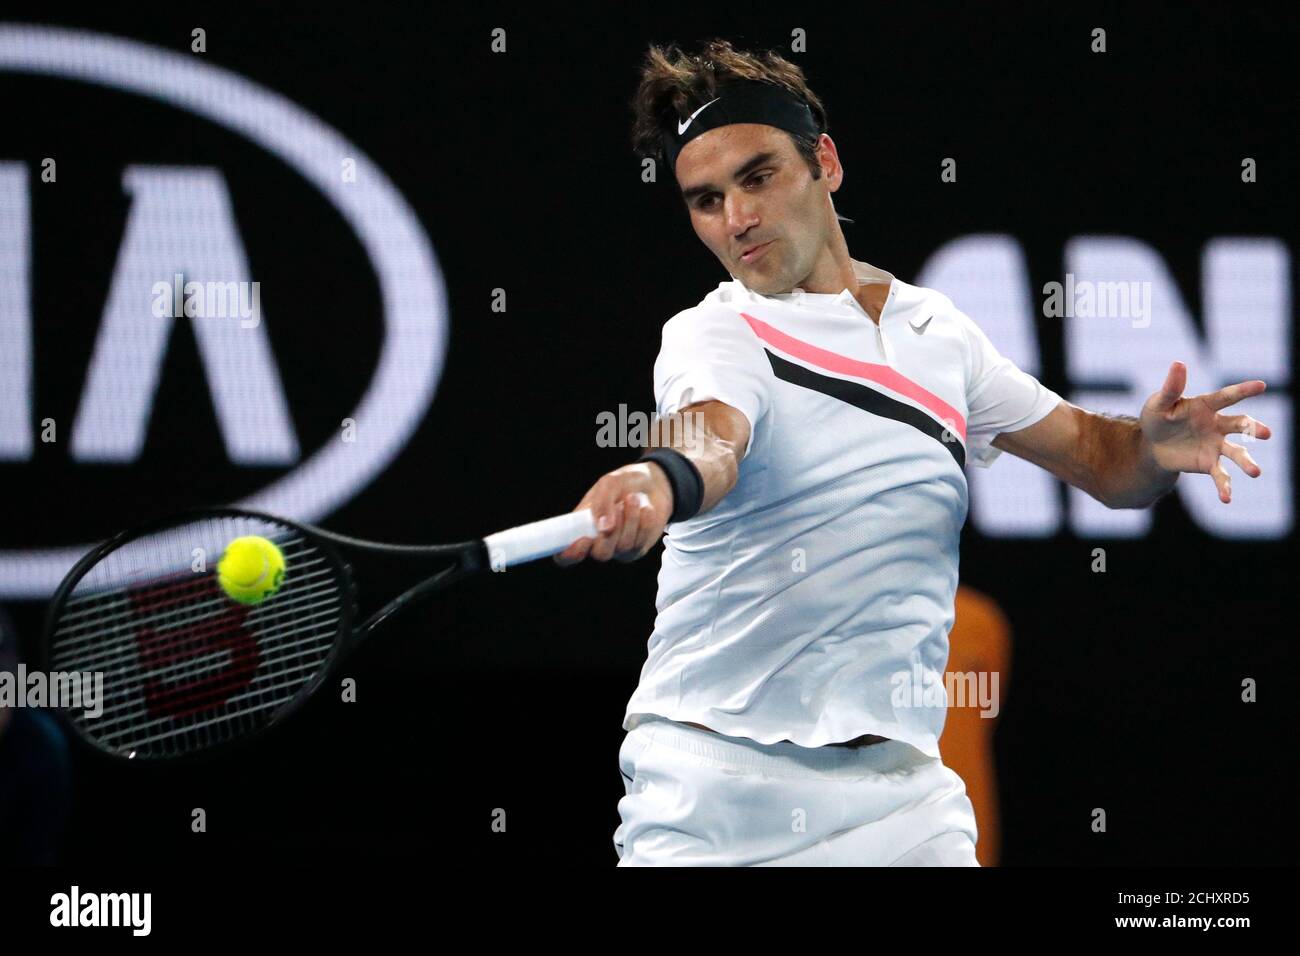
(921, 329)
(681, 127)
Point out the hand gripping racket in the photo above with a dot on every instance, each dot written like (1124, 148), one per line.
(188, 669)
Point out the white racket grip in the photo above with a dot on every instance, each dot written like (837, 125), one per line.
(538, 539)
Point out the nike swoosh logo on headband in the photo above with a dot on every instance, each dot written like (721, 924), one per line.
(681, 127)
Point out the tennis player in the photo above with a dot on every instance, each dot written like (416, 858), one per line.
(812, 522)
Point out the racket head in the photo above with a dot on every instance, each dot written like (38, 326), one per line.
(186, 670)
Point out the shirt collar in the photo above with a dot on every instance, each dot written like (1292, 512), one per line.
(864, 272)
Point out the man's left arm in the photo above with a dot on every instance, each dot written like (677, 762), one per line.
(1127, 462)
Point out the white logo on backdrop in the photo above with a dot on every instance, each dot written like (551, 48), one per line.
(1114, 363)
(410, 283)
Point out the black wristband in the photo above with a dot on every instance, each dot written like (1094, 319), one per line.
(685, 479)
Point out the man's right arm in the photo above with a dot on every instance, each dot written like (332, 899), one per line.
(632, 504)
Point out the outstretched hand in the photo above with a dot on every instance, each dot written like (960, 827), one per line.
(1188, 434)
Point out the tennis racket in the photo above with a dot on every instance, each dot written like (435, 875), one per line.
(186, 669)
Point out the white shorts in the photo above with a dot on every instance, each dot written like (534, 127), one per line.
(698, 798)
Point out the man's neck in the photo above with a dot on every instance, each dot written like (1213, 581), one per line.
(871, 294)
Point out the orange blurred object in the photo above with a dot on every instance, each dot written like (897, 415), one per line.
(980, 644)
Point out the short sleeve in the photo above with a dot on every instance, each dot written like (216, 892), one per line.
(710, 354)
(999, 396)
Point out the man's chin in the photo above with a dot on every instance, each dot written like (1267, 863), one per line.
(761, 281)
(769, 288)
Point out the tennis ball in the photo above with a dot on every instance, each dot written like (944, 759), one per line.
(251, 570)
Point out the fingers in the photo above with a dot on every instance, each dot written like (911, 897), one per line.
(623, 543)
(1232, 394)
(627, 520)
(1243, 424)
(607, 542)
(574, 553)
(1173, 387)
(625, 535)
(1242, 458)
(580, 549)
(1221, 481)
(637, 515)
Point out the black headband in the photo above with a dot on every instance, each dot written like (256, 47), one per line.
(743, 101)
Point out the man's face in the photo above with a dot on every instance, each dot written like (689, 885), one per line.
(746, 185)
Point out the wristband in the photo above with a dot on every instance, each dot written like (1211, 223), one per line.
(685, 479)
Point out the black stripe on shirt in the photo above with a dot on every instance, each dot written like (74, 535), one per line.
(867, 399)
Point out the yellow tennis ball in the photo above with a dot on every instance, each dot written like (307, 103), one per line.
(251, 570)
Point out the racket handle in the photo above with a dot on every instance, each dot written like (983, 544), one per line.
(539, 539)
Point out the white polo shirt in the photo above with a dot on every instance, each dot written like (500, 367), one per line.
(813, 603)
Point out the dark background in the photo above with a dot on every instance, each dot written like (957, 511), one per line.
(509, 692)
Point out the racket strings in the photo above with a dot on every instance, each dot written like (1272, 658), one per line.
(183, 665)
(109, 629)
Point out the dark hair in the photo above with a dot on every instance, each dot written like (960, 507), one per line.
(673, 84)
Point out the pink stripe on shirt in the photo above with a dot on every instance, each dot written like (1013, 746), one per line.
(843, 365)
